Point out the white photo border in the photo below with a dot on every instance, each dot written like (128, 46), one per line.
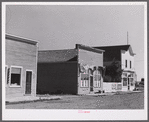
(70, 114)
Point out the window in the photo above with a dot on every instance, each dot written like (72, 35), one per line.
(113, 86)
(6, 71)
(119, 86)
(84, 79)
(126, 63)
(125, 74)
(97, 78)
(15, 76)
(130, 64)
(131, 81)
(124, 81)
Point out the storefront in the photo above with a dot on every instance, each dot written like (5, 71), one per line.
(20, 67)
(70, 71)
(128, 81)
(91, 78)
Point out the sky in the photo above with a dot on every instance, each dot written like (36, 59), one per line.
(62, 26)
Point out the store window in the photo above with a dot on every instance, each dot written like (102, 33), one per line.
(124, 81)
(84, 79)
(119, 86)
(97, 78)
(15, 76)
(131, 81)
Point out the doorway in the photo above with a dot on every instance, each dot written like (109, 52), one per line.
(128, 84)
(91, 83)
(28, 82)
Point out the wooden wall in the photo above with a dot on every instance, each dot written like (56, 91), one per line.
(23, 55)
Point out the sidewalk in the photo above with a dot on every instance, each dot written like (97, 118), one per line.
(101, 94)
(26, 99)
(127, 92)
(114, 93)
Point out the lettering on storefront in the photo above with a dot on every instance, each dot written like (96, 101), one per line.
(116, 86)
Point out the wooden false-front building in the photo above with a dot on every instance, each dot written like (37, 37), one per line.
(123, 57)
(20, 66)
(70, 71)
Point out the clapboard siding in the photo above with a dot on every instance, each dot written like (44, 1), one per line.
(24, 55)
(16, 45)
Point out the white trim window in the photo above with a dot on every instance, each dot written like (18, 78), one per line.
(6, 75)
(97, 78)
(15, 76)
(131, 81)
(84, 79)
(124, 81)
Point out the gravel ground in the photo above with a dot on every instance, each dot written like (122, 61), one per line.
(121, 101)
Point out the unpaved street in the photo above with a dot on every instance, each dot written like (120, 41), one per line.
(125, 101)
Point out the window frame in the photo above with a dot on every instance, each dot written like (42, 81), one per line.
(126, 81)
(31, 81)
(97, 82)
(6, 75)
(131, 82)
(125, 63)
(13, 66)
(84, 82)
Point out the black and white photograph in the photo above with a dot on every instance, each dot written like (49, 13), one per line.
(74, 61)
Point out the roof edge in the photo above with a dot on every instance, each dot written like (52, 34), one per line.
(55, 50)
(89, 48)
(110, 46)
(21, 39)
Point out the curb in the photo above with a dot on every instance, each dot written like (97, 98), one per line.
(29, 101)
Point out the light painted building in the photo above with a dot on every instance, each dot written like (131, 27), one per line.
(124, 56)
(20, 67)
(128, 75)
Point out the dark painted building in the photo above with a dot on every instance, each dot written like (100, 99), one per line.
(70, 71)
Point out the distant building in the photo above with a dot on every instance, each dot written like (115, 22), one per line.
(70, 71)
(123, 56)
(21, 67)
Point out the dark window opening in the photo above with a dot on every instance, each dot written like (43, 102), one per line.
(15, 76)
(130, 64)
(15, 79)
(125, 63)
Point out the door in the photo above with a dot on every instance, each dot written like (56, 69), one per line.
(91, 83)
(128, 84)
(28, 82)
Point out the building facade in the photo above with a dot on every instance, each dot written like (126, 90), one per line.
(123, 56)
(70, 71)
(20, 66)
